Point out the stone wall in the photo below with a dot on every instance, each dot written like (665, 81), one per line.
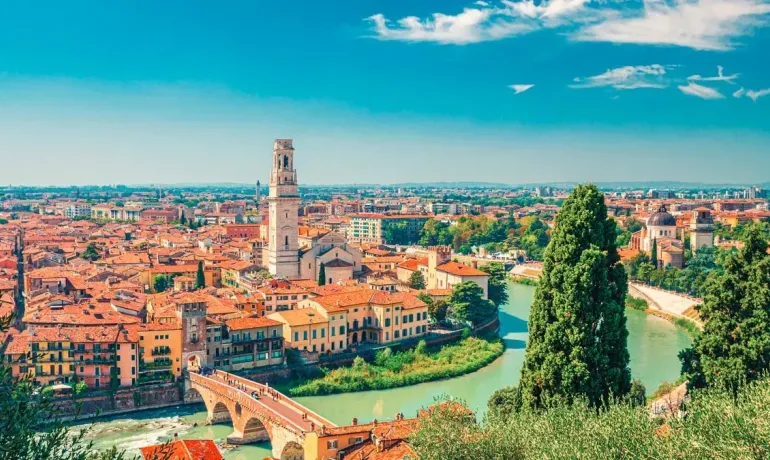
(122, 400)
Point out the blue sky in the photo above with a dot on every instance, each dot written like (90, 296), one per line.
(385, 91)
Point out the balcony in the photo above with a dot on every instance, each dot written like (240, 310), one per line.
(161, 351)
(157, 364)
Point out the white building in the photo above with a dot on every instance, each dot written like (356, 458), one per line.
(78, 210)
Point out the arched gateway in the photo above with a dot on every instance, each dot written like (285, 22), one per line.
(258, 413)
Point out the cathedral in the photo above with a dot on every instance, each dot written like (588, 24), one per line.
(295, 252)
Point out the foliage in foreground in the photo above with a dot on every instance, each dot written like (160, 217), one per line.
(577, 344)
(390, 370)
(734, 347)
(715, 426)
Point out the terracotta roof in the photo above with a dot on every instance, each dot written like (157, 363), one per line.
(337, 263)
(301, 317)
(183, 450)
(250, 323)
(413, 264)
(458, 269)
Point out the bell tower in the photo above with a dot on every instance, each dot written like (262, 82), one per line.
(283, 253)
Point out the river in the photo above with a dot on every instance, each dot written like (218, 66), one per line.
(652, 342)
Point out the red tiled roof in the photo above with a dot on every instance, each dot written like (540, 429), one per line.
(458, 269)
(251, 323)
(183, 450)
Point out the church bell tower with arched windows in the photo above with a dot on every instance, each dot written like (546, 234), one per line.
(283, 259)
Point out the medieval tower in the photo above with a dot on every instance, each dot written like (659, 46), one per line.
(283, 254)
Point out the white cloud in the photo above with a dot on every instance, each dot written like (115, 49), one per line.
(754, 95)
(629, 77)
(739, 93)
(520, 88)
(703, 92)
(479, 23)
(720, 76)
(545, 9)
(698, 24)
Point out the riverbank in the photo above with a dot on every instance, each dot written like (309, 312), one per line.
(393, 370)
(523, 280)
(641, 304)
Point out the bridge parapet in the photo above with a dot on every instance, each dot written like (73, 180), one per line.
(258, 413)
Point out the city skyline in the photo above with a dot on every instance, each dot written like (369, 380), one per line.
(386, 92)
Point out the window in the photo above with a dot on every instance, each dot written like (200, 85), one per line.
(314, 333)
(323, 334)
(333, 331)
(296, 336)
(387, 336)
(395, 335)
(331, 444)
(342, 330)
(304, 335)
(261, 356)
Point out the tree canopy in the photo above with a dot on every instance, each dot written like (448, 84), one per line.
(577, 325)
(497, 290)
(322, 274)
(469, 305)
(416, 280)
(200, 276)
(734, 347)
(160, 283)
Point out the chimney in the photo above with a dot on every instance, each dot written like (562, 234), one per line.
(176, 437)
(355, 421)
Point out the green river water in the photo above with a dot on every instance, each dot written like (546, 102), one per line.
(652, 342)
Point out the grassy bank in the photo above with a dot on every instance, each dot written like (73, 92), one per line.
(688, 325)
(391, 370)
(523, 280)
(636, 303)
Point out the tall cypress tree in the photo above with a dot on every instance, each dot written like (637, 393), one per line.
(577, 325)
(200, 277)
(734, 347)
(322, 275)
(654, 252)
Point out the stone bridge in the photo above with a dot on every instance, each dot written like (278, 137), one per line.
(258, 413)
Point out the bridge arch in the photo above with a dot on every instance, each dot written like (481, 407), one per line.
(255, 431)
(220, 413)
(292, 451)
(192, 395)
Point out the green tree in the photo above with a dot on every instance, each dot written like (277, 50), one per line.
(200, 276)
(645, 272)
(437, 310)
(322, 274)
(734, 347)
(577, 325)
(468, 304)
(90, 253)
(160, 283)
(182, 220)
(504, 402)
(497, 290)
(417, 281)
(396, 233)
(654, 253)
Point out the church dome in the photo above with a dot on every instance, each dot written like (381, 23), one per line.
(662, 219)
